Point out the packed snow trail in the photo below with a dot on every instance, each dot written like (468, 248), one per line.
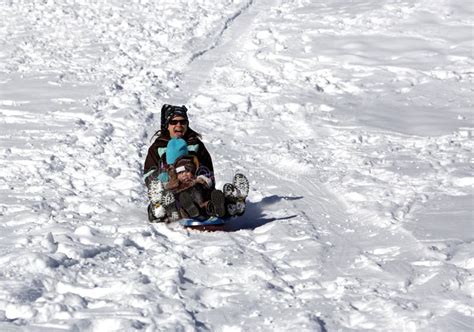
(351, 120)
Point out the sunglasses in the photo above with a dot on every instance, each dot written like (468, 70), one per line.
(181, 122)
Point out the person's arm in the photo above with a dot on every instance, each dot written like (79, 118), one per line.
(205, 160)
(152, 163)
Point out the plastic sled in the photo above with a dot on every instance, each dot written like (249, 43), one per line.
(211, 224)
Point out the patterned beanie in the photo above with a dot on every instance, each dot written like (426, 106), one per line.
(168, 112)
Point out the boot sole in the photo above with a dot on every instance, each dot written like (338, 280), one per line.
(187, 203)
(218, 200)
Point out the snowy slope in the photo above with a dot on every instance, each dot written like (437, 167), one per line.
(352, 119)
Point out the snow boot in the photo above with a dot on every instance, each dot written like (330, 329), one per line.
(231, 193)
(156, 213)
(238, 190)
(236, 209)
(231, 209)
(241, 182)
(240, 208)
(235, 194)
(151, 215)
(168, 201)
(155, 191)
(187, 203)
(216, 206)
(167, 198)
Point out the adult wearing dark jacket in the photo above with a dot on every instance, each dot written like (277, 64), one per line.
(174, 124)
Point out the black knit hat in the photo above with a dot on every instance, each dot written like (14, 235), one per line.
(168, 112)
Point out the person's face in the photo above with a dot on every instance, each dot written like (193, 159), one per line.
(185, 176)
(177, 126)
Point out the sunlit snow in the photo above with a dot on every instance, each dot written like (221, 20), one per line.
(353, 121)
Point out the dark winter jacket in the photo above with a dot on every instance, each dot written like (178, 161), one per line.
(155, 163)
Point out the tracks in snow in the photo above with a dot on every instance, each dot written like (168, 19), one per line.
(203, 61)
(268, 99)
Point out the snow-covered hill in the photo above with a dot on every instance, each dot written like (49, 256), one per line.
(352, 119)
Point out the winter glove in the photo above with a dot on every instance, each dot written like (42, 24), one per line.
(204, 180)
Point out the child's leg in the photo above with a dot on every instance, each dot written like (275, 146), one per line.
(186, 201)
(216, 206)
(197, 193)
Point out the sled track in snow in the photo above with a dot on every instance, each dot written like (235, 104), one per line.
(227, 24)
(223, 43)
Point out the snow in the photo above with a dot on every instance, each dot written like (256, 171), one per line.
(353, 121)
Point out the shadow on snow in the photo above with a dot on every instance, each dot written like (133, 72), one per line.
(255, 215)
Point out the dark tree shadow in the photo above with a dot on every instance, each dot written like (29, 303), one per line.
(254, 216)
